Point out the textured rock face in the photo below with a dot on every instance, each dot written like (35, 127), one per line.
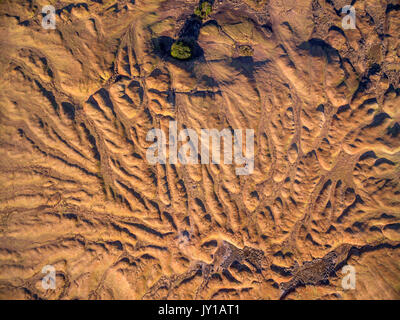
(78, 193)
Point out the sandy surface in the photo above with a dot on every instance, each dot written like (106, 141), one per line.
(77, 191)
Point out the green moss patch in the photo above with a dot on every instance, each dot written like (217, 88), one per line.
(204, 10)
(181, 50)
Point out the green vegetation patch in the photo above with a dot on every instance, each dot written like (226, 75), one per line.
(204, 10)
(181, 50)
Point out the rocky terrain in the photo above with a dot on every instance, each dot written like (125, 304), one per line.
(77, 192)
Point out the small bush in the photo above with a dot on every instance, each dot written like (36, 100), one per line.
(181, 51)
(246, 51)
(204, 10)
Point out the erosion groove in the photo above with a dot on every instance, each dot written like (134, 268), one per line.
(78, 193)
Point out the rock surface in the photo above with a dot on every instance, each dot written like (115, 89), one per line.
(78, 193)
